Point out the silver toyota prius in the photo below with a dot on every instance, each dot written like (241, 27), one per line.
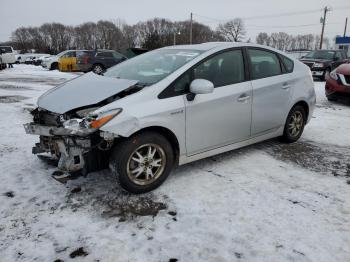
(172, 106)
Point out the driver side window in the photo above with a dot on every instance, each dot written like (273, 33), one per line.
(223, 69)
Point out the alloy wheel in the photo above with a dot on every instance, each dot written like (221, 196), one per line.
(98, 69)
(296, 124)
(146, 164)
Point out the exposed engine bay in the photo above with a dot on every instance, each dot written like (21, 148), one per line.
(73, 138)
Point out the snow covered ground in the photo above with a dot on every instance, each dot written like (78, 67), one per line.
(266, 202)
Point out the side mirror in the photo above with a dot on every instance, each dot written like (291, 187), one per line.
(302, 57)
(200, 86)
(336, 58)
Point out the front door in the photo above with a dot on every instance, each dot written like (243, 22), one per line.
(224, 116)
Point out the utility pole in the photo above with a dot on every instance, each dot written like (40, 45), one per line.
(346, 24)
(191, 22)
(323, 21)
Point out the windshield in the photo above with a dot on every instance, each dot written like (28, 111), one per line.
(151, 67)
(320, 55)
(62, 53)
(6, 49)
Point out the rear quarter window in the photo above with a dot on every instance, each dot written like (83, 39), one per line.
(288, 64)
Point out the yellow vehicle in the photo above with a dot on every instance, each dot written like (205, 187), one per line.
(68, 62)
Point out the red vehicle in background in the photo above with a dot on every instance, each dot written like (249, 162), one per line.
(338, 83)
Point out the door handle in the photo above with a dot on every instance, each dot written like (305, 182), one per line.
(243, 98)
(285, 85)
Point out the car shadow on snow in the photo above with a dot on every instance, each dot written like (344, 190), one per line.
(99, 192)
(315, 157)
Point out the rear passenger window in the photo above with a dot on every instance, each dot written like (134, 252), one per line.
(223, 69)
(117, 55)
(105, 54)
(263, 63)
(288, 64)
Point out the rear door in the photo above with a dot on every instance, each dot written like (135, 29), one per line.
(106, 59)
(271, 91)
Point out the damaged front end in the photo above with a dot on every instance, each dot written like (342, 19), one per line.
(77, 143)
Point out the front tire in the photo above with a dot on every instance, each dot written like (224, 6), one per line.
(54, 66)
(142, 162)
(294, 125)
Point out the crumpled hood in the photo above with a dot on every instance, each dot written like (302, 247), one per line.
(85, 90)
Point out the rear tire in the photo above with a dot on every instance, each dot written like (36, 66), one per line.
(294, 125)
(142, 162)
(98, 69)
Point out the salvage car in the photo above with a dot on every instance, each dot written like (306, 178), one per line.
(98, 60)
(52, 62)
(172, 106)
(338, 83)
(322, 62)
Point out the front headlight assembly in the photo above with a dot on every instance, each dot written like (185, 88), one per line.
(318, 65)
(333, 75)
(92, 121)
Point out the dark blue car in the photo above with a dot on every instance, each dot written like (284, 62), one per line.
(98, 60)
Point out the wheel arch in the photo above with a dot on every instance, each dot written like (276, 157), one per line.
(167, 133)
(98, 63)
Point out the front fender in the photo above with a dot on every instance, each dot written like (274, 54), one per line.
(126, 125)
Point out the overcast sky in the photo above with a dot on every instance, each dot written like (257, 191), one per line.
(16, 13)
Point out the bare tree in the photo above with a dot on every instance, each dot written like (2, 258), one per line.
(233, 30)
(263, 39)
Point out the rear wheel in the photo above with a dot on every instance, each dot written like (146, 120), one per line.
(142, 162)
(97, 69)
(294, 125)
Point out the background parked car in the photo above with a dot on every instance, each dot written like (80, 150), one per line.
(39, 59)
(322, 62)
(68, 61)
(98, 60)
(338, 83)
(52, 63)
(7, 56)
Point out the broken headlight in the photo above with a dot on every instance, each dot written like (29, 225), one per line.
(85, 112)
(92, 121)
(333, 75)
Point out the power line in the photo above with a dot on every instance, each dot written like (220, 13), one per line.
(288, 26)
(338, 8)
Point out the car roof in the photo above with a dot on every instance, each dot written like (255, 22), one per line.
(217, 45)
(329, 50)
(204, 46)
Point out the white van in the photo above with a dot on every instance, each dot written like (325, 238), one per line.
(7, 55)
